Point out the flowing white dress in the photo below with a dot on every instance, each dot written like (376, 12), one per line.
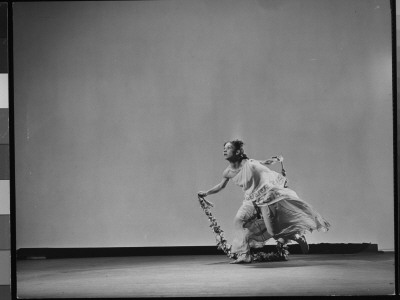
(284, 214)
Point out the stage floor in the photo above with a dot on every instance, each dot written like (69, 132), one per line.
(206, 275)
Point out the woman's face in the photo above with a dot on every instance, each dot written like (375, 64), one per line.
(229, 151)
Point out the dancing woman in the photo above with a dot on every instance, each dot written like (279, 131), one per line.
(286, 217)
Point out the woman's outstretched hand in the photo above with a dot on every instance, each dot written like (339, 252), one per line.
(273, 160)
(202, 194)
(268, 161)
(278, 158)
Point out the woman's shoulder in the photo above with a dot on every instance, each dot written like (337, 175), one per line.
(226, 173)
(251, 162)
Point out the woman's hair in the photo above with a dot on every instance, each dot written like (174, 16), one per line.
(238, 145)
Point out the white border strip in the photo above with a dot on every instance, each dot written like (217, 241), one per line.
(3, 90)
(397, 7)
(4, 197)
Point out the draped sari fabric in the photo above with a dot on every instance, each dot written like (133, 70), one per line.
(284, 214)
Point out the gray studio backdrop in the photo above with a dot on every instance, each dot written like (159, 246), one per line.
(122, 109)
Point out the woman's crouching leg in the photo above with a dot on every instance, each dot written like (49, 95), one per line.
(240, 245)
(271, 220)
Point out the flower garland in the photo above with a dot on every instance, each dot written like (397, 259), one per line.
(222, 243)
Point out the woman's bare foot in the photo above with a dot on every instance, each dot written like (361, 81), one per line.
(244, 258)
(301, 240)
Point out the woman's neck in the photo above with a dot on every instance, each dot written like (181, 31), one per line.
(236, 164)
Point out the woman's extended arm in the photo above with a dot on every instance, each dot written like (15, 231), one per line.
(215, 189)
(272, 160)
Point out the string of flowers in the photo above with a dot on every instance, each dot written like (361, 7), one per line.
(222, 243)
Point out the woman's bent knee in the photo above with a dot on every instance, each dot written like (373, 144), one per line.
(238, 223)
